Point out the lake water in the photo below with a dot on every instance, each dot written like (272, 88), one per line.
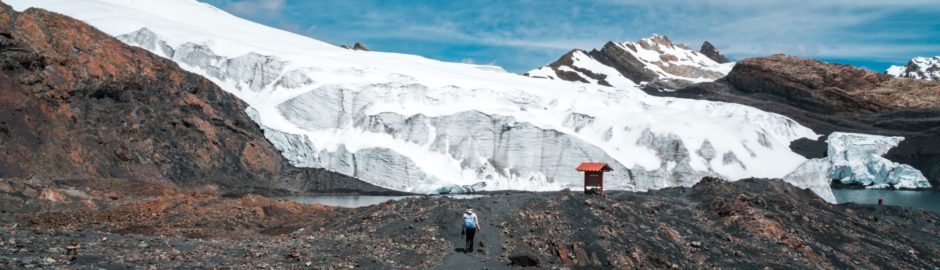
(354, 201)
(927, 200)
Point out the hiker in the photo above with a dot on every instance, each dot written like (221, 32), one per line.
(470, 227)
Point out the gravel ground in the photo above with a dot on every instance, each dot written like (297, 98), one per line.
(748, 224)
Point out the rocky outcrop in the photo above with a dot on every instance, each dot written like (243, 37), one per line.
(709, 50)
(358, 46)
(654, 60)
(927, 68)
(832, 97)
(78, 104)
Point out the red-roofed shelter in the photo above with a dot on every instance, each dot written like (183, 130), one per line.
(594, 176)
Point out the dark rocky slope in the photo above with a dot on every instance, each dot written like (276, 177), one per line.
(748, 224)
(76, 104)
(831, 97)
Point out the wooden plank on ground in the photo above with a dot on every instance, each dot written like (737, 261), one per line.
(580, 255)
(563, 253)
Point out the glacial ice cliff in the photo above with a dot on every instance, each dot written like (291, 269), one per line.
(421, 125)
(857, 159)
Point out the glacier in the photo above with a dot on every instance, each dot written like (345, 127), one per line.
(857, 159)
(420, 125)
(814, 174)
(853, 158)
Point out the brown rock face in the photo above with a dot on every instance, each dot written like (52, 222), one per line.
(832, 87)
(832, 97)
(78, 104)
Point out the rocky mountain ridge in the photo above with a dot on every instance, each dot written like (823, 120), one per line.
(655, 61)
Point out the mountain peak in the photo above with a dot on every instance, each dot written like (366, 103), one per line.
(927, 68)
(648, 60)
(657, 39)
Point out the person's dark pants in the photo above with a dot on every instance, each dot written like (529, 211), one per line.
(470, 233)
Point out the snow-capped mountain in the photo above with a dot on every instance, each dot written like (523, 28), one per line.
(918, 68)
(414, 124)
(628, 64)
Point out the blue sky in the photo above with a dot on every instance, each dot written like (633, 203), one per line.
(525, 34)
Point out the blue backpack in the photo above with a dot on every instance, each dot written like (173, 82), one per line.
(468, 221)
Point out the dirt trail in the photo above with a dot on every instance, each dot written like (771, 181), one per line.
(460, 260)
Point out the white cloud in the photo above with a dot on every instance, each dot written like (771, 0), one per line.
(256, 7)
(297, 28)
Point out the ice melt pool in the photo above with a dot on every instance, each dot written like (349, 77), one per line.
(927, 200)
(353, 201)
